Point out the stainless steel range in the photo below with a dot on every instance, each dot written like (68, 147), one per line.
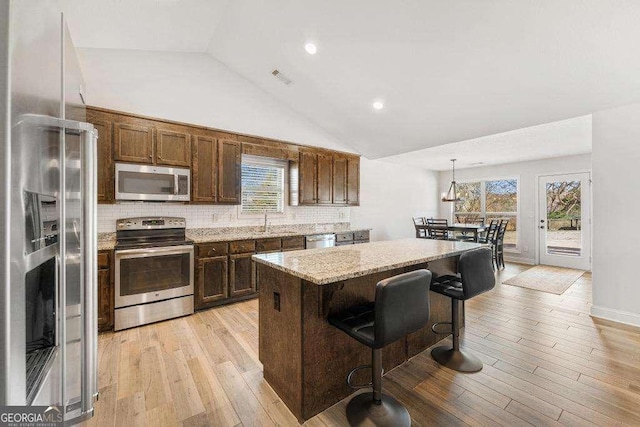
(154, 268)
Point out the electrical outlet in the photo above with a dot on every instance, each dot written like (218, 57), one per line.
(215, 217)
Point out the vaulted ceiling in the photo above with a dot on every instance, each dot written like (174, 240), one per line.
(447, 71)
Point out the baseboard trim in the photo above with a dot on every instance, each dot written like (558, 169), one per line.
(619, 316)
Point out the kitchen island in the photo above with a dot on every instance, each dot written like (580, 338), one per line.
(306, 360)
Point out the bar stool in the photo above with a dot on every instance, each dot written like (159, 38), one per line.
(476, 277)
(401, 307)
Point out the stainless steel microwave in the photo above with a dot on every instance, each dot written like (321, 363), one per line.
(152, 183)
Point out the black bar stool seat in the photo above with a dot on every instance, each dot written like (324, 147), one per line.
(401, 307)
(476, 277)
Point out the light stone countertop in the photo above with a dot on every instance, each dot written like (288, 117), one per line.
(329, 265)
(107, 241)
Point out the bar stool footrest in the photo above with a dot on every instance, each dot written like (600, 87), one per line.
(435, 325)
(352, 372)
(362, 410)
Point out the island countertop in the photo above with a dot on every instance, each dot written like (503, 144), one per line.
(328, 265)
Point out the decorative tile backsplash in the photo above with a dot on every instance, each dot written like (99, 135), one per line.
(213, 216)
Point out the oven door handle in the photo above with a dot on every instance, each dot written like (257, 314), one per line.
(167, 250)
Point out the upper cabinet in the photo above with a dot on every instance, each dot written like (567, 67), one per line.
(353, 180)
(173, 148)
(133, 142)
(143, 141)
(216, 170)
(340, 179)
(229, 171)
(203, 170)
(323, 177)
(105, 163)
(308, 177)
(318, 176)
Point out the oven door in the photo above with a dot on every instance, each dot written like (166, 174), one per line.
(152, 183)
(153, 274)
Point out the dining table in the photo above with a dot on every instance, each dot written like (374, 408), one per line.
(475, 229)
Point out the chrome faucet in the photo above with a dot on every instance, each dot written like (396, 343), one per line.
(265, 222)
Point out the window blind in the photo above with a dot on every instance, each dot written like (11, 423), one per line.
(262, 187)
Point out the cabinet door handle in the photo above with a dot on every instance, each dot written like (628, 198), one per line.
(212, 252)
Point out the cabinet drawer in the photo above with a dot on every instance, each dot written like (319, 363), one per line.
(242, 246)
(207, 250)
(344, 237)
(292, 243)
(268, 245)
(361, 235)
(103, 260)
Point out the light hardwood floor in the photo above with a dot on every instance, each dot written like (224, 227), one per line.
(546, 363)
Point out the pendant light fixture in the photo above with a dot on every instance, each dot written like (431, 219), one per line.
(452, 194)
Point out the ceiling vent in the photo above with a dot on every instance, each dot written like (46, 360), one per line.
(283, 78)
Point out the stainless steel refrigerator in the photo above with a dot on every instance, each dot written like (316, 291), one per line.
(48, 252)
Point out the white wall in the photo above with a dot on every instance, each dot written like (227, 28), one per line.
(192, 88)
(195, 88)
(390, 195)
(616, 201)
(527, 173)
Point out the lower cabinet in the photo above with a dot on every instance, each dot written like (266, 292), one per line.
(242, 277)
(225, 272)
(105, 291)
(212, 280)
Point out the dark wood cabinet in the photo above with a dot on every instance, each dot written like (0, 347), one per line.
(173, 148)
(292, 243)
(308, 177)
(105, 292)
(325, 178)
(353, 180)
(105, 172)
(339, 180)
(242, 275)
(203, 169)
(322, 177)
(133, 142)
(229, 171)
(212, 284)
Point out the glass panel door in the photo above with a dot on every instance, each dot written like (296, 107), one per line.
(564, 220)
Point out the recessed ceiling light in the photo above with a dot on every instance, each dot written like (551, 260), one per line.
(378, 105)
(311, 48)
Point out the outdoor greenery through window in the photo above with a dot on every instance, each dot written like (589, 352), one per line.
(490, 200)
(262, 185)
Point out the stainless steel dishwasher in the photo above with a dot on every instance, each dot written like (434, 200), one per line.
(320, 241)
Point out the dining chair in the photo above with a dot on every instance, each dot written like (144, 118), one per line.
(421, 233)
(498, 246)
(437, 233)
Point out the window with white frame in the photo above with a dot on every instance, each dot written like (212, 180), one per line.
(262, 185)
(490, 199)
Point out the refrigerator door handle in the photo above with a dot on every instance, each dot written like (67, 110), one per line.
(89, 387)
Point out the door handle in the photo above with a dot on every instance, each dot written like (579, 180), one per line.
(175, 183)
